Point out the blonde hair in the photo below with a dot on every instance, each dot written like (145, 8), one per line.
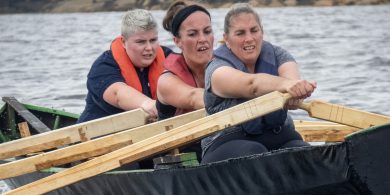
(137, 20)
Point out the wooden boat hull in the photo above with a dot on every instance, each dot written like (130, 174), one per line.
(359, 165)
(52, 118)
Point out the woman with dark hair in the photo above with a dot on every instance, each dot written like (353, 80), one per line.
(181, 86)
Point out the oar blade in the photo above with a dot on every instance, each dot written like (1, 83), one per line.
(344, 115)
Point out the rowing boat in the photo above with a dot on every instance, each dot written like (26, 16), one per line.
(342, 167)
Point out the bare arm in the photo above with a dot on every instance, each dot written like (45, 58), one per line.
(289, 70)
(122, 96)
(231, 83)
(173, 91)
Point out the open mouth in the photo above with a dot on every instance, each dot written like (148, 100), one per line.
(249, 48)
(204, 48)
(148, 56)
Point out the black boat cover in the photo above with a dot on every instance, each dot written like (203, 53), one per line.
(359, 165)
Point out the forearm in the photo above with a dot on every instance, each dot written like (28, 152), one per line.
(196, 99)
(129, 99)
(173, 91)
(260, 84)
(124, 97)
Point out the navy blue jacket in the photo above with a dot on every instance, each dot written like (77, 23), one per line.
(103, 73)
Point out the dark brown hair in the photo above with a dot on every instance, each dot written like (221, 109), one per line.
(171, 12)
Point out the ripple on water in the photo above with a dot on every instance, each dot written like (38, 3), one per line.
(345, 49)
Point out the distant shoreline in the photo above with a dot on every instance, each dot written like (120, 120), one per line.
(68, 6)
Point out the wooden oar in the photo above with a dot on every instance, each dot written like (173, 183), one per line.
(155, 144)
(159, 143)
(72, 134)
(343, 115)
(310, 131)
(95, 147)
(26, 114)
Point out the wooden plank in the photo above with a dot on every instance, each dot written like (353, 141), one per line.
(343, 115)
(94, 147)
(26, 114)
(310, 131)
(189, 163)
(104, 145)
(314, 123)
(11, 120)
(24, 130)
(159, 143)
(325, 133)
(70, 134)
(170, 159)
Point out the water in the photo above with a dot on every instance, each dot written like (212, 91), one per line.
(45, 58)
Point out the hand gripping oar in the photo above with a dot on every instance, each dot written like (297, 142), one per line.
(162, 142)
(343, 115)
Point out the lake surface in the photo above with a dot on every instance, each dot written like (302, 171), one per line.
(45, 58)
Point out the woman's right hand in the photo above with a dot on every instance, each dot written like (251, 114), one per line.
(149, 106)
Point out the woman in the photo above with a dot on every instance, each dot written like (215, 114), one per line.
(254, 68)
(125, 77)
(180, 87)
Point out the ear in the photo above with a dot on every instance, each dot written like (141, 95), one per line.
(177, 42)
(123, 42)
(225, 39)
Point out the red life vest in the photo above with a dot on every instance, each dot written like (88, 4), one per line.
(128, 71)
(176, 64)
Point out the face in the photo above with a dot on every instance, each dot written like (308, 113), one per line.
(141, 47)
(245, 38)
(196, 39)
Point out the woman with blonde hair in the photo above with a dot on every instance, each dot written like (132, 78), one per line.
(125, 77)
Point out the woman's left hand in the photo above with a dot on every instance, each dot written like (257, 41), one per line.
(293, 104)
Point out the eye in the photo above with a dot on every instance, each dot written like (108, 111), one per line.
(208, 31)
(140, 41)
(154, 40)
(255, 29)
(239, 33)
(192, 34)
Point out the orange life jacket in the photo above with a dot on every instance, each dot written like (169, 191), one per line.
(128, 71)
(176, 64)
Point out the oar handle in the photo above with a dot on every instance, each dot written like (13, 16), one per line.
(305, 106)
(286, 96)
(302, 105)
